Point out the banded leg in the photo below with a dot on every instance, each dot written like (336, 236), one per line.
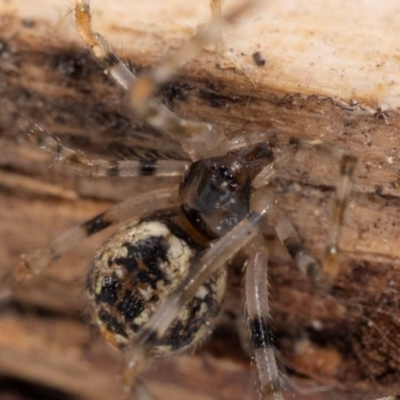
(38, 260)
(110, 63)
(258, 313)
(195, 137)
(343, 188)
(284, 228)
(216, 256)
(156, 114)
(288, 236)
(97, 168)
(145, 86)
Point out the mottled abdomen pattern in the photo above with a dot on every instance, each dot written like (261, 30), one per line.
(137, 267)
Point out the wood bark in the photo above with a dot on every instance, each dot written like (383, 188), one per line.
(330, 73)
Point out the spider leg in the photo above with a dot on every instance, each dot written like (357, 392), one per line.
(38, 260)
(288, 236)
(256, 282)
(140, 391)
(144, 87)
(216, 16)
(194, 137)
(97, 168)
(110, 63)
(220, 251)
(216, 9)
(284, 229)
(225, 60)
(343, 187)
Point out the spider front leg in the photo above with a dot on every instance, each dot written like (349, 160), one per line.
(110, 63)
(143, 87)
(256, 282)
(98, 167)
(290, 239)
(287, 234)
(195, 137)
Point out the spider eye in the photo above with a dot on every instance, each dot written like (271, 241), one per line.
(226, 173)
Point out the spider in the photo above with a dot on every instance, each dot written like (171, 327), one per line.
(156, 286)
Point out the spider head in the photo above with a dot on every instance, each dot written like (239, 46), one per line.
(216, 191)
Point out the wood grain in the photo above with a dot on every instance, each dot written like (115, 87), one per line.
(331, 73)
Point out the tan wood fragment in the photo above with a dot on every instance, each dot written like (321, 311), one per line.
(331, 73)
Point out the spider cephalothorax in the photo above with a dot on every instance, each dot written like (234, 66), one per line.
(216, 191)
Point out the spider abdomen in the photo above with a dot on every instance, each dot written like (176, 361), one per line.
(137, 267)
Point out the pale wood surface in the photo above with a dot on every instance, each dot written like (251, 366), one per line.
(331, 70)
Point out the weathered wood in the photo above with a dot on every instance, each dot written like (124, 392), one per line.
(330, 74)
